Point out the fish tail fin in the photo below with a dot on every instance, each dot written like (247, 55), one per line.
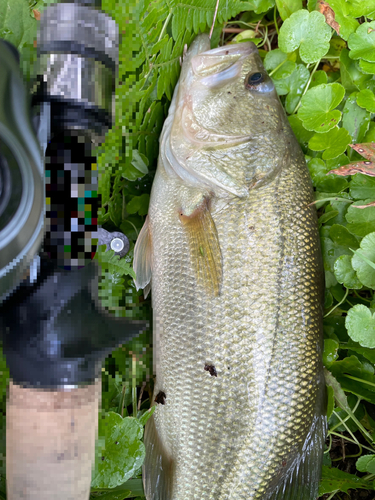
(157, 467)
(302, 480)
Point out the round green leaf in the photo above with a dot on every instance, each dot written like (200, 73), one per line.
(297, 83)
(120, 451)
(362, 42)
(303, 135)
(365, 272)
(287, 7)
(360, 323)
(355, 119)
(317, 110)
(361, 221)
(259, 6)
(334, 142)
(366, 99)
(345, 274)
(309, 32)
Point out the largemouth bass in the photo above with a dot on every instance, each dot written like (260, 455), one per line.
(231, 246)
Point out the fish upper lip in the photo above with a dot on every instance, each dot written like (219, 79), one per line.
(243, 48)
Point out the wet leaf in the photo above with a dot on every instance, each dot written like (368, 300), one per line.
(366, 99)
(259, 6)
(362, 260)
(345, 274)
(296, 84)
(360, 8)
(328, 13)
(308, 32)
(360, 222)
(317, 110)
(360, 323)
(355, 120)
(334, 142)
(330, 352)
(362, 42)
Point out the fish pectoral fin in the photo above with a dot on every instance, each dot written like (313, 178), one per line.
(142, 264)
(204, 247)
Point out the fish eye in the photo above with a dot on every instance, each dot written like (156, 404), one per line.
(255, 78)
(258, 81)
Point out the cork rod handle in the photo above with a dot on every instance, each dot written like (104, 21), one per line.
(50, 442)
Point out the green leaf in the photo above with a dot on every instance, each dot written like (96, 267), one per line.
(319, 78)
(278, 64)
(296, 84)
(366, 99)
(363, 464)
(334, 142)
(364, 371)
(114, 264)
(361, 221)
(120, 451)
(345, 274)
(367, 67)
(344, 17)
(336, 245)
(16, 23)
(362, 42)
(360, 323)
(355, 119)
(317, 110)
(362, 187)
(139, 204)
(309, 32)
(259, 6)
(303, 135)
(360, 8)
(330, 352)
(147, 414)
(287, 7)
(365, 272)
(334, 479)
(352, 77)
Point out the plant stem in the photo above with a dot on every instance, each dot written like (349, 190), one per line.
(338, 304)
(360, 380)
(134, 386)
(351, 441)
(307, 86)
(332, 494)
(275, 20)
(277, 67)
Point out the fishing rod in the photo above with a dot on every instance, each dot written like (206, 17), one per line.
(55, 332)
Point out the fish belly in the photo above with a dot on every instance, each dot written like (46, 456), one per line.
(252, 428)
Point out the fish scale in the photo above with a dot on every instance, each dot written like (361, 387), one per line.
(256, 430)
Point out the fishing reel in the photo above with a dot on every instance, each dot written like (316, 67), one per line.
(55, 332)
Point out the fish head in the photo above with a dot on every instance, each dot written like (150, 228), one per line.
(225, 94)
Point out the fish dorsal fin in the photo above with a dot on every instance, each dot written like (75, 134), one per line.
(204, 247)
(142, 264)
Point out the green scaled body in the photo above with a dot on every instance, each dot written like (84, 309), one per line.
(231, 250)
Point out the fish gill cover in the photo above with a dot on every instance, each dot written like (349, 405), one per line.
(321, 57)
